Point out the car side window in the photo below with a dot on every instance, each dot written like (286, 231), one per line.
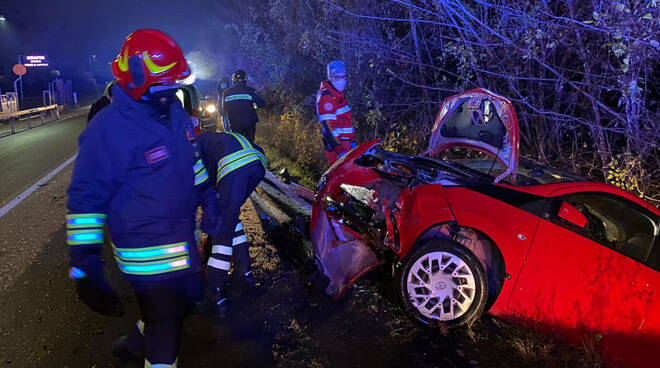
(614, 222)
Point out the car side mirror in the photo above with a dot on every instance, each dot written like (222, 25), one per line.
(572, 214)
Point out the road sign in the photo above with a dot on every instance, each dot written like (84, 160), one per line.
(19, 69)
(36, 60)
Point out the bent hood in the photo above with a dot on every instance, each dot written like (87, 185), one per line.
(480, 120)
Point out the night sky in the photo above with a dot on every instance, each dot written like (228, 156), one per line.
(69, 31)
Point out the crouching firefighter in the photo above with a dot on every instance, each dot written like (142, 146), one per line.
(237, 166)
(137, 173)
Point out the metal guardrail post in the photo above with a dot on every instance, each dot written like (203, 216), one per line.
(11, 125)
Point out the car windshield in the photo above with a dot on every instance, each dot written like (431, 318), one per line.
(464, 171)
(529, 173)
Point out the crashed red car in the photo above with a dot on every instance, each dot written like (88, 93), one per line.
(484, 232)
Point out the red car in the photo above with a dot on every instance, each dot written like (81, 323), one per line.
(469, 229)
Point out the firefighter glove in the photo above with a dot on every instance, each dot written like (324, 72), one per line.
(95, 292)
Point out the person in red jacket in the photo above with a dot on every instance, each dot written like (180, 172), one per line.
(334, 113)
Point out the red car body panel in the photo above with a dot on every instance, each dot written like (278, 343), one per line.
(579, 288)
(414, 218)
(513, 236)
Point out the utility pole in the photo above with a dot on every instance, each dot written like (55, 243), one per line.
(20, 77)
(92, 60)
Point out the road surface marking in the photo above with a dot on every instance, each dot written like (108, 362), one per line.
(14, 202)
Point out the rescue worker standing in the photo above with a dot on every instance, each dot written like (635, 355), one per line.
(238, 104)
(237, 166)
(137, 173)
(334, 113)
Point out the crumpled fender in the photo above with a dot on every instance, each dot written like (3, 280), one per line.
(343, 262)
(419, 210)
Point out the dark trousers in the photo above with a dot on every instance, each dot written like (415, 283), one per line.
(163, 307)
(233, 190)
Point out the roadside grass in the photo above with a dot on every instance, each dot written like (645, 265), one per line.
(277, 161)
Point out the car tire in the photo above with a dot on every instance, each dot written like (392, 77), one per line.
(441, 283)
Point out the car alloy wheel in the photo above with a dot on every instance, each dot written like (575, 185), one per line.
(441, 286)
(441, 281)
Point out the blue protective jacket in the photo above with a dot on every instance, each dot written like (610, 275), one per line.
(224, 153)
(140, 174)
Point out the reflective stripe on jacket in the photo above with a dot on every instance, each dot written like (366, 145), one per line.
(137, 173)
(240, 158)
(238, 103)
(227, 152)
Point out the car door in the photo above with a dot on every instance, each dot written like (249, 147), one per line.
(585, 273)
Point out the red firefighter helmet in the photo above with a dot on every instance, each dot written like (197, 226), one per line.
(148, 57)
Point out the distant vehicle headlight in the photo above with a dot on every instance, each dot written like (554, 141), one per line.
(210, 108)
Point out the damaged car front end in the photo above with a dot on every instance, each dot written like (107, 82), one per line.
(374, 203)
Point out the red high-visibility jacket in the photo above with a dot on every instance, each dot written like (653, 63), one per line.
(332, 106)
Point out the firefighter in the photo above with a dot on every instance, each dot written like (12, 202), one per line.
(137, 173)
(237, 166)
(238, 103)
(101, 102)
(334, 113)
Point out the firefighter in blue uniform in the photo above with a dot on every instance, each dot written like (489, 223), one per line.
(236, 166)
(137, 174)
(238, 105)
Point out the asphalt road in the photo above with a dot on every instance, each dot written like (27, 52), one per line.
(27, 156)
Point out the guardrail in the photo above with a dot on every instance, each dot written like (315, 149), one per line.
(285, 212)
(30, 113)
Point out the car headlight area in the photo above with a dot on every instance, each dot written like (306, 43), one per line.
(210, 108)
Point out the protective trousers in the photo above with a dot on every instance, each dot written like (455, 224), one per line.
(339, 151)
(163, 307)
(229, 239)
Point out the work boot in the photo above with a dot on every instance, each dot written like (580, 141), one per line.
(214, 304)
(220, 300)
(249, 280)
(129, 348)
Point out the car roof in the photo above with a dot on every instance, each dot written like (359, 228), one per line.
(557, 189)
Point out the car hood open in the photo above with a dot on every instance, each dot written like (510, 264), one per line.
(479, 120)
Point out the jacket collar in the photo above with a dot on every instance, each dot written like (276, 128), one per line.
(326, 85)
(135, 108)
(127, 104)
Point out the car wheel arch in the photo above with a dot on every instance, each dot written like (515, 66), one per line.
(481, 245)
